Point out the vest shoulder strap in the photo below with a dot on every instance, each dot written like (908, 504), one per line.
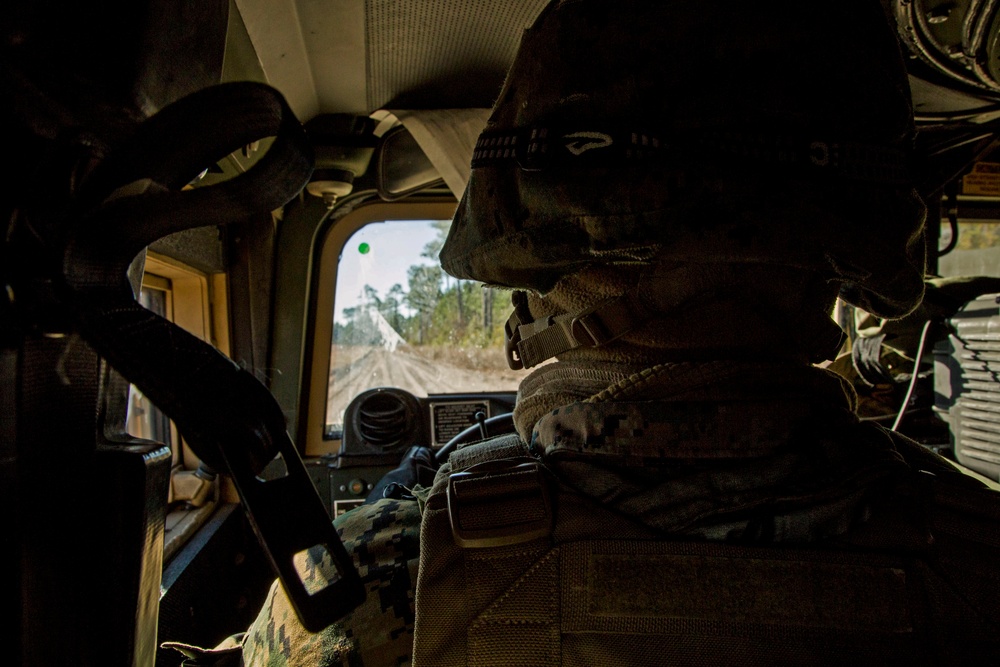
(501, 447)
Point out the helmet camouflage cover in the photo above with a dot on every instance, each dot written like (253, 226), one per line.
(713, 132)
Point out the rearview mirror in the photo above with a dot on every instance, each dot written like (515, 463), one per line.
(402, 167)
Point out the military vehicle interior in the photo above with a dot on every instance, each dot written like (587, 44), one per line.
(126, 527)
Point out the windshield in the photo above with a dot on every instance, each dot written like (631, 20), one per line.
(400, 321)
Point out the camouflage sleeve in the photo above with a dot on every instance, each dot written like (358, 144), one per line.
(383, 539)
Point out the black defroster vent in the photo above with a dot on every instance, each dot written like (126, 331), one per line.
(967, 384)
(379, 423)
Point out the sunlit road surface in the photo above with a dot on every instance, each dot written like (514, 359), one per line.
(356, 368)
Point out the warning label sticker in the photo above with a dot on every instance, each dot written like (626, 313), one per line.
(450, 419)
(983, 181)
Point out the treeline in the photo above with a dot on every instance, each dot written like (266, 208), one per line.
(976, 235)
(433, 309)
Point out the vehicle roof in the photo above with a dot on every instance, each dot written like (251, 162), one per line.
(357, 56)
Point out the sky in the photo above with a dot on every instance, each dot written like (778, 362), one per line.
(392, 248)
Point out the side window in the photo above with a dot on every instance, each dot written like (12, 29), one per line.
(976, 250)
(196, 302)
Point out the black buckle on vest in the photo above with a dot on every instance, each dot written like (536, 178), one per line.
(511, 338)
(499, 503)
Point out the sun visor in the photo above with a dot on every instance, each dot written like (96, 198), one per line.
(447, 137)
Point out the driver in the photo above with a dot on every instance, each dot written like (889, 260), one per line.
(677, 193)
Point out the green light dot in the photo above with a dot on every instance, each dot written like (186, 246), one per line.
(364, 248)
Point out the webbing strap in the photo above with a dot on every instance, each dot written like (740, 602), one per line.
(530, 342)
(501, 447)
(542, 147)
(739, 587)
(499, 503)
(635, 602)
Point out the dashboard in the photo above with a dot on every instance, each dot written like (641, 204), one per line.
(381, 424)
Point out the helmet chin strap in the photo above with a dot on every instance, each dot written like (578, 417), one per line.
(529, 341)
(760, 309)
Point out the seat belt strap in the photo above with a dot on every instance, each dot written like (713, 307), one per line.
(136, 196)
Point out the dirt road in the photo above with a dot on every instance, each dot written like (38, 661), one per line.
(420, 371)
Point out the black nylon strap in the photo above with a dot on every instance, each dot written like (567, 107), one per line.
(541, 148)
(229, 418)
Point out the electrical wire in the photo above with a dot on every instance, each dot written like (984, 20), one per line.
(913, 378)
(952, 215)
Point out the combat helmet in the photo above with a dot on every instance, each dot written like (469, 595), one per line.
(715, 132)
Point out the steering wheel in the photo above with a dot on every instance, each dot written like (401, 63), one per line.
(417, 460)
(485, 428)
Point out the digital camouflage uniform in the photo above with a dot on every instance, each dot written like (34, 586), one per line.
(383, 539)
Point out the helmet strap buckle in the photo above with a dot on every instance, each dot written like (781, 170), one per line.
(529, 342)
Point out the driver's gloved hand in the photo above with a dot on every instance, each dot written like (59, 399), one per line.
(417, 467)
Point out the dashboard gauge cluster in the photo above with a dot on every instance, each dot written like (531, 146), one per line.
(381, 424)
